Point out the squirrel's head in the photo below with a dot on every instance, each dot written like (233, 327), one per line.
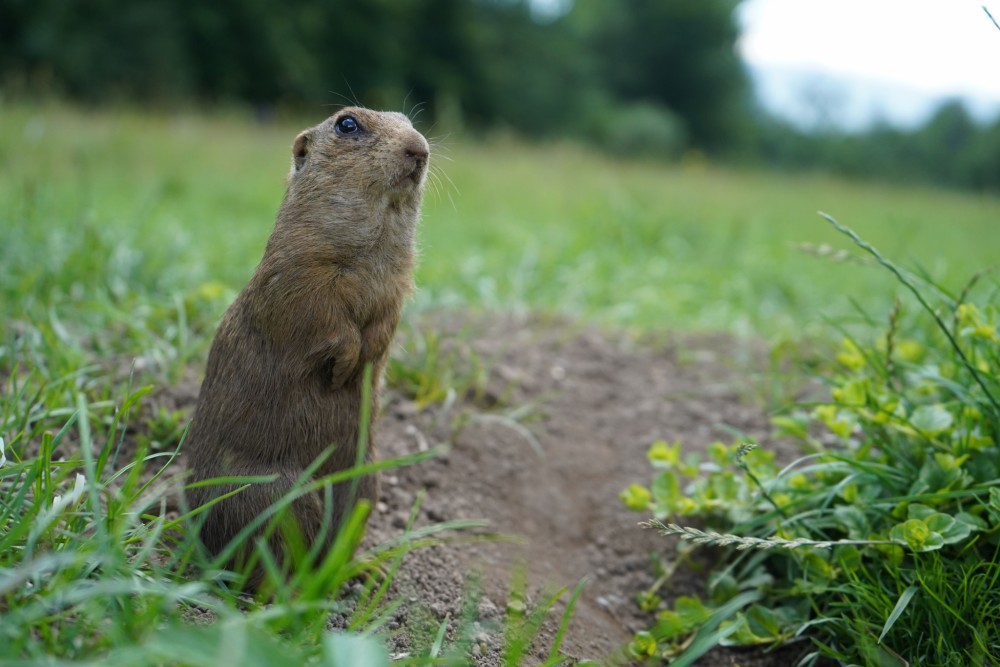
(358, 152)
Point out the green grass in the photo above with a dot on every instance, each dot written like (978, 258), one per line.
(882, 544)
(124, 235)
(172, 202)
(655, 246)
(93, 572)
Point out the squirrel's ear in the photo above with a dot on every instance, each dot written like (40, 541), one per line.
(300, 149)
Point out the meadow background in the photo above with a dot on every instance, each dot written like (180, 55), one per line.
(142, 159)
(156, 207)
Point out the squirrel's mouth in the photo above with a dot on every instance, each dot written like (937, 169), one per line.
(411, 178)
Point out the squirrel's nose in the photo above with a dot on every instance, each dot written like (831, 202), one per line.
(419, 155)
(417, 148)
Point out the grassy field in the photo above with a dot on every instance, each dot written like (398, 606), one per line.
(124, 235)
(178, 206)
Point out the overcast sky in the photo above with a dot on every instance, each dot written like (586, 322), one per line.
(876, 58)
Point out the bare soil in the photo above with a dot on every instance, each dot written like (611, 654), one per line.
(541, 447)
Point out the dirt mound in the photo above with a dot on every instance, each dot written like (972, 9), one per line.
(558, 426)
(597, 402)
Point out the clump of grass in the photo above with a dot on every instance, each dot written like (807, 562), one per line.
(881, 545)
(434, 368)
(94, 568)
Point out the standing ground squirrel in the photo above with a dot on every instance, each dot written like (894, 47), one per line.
(285, 373)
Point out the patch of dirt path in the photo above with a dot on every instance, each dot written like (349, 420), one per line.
(598, 401)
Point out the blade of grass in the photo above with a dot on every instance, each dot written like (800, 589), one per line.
(898, 610)
(553, 657)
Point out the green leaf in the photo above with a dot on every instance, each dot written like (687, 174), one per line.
(764, 622)
(994, 505)
(927, 530)
(793, 427)
(847, 557)
(722, 586)
(850, 355)
(636, 497)
(648, 601)
(951, 528)
(973, 522)
(934, 542)
(932, 477)
(931, 419)
(662, 455)
(983, 465)
(643, 645)
(952, 531)
(202, 646)
(666, 490)
(841, 423)
(710, 634)
(758, 625)
(669, 625)
(897, 611)
(719, 453)
(919, 511)
(691, 610)
(853, 521)
(344, 650)
(950, 462)
(853, 393)
(738, 632)
(939, 523)
(913, 532)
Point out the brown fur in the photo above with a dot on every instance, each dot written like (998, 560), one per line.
(285, 371)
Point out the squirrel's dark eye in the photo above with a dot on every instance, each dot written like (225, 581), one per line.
(347, 125)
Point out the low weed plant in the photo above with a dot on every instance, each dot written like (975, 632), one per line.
(881, 544)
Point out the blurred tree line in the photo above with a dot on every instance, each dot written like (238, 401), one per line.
(951, 148)
(585, 67)
(636, 77)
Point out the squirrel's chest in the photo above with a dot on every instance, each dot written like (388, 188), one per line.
(371, 291)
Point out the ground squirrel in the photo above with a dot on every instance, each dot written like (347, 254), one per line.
(285, 373)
